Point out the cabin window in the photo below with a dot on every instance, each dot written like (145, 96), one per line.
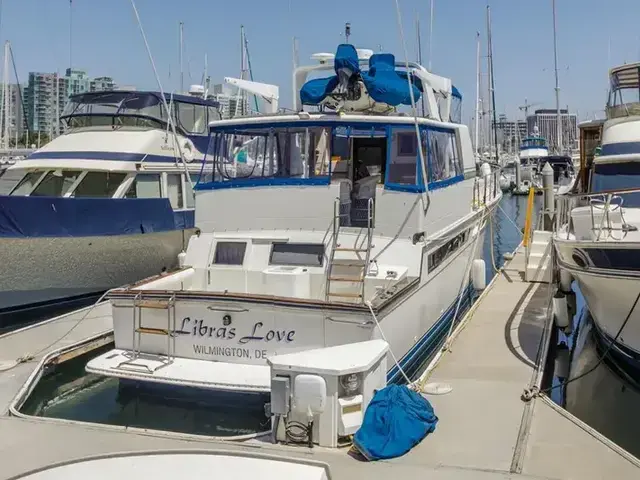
(174, 189)
(99, 184)
(56, 183)
(612, 177)
(229, 253)
(445, 251)
(403, 163)
(297, 254)
(192, 117)
(213, 114)
(26, 184)
(444, 160)
(145, 185)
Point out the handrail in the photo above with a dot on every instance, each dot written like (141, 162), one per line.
(370, 219)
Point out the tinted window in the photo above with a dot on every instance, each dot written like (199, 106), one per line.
(99, 184)
(27, 183)
(56, 183)
(145, 186)
(444, 160)
(611, 177)
(297, 254)
(174, 184)
(229, 253)
(192, 118)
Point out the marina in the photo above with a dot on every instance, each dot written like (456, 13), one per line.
(363, 279)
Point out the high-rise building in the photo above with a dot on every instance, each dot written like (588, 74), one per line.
(40, 95)
(547, 122)
(232, 103)
(510, 133)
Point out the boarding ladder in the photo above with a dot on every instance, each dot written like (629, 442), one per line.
(151, 362)
(350, 269)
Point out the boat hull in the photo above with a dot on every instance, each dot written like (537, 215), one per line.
(610, 286)
(44, 271)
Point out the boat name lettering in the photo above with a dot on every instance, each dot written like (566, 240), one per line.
(198, 328)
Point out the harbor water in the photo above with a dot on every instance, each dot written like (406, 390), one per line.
(604, 398)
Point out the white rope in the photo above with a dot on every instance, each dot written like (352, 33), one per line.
(395, 360)
(164, 100)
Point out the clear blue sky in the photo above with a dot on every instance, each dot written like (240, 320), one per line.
(107, 40)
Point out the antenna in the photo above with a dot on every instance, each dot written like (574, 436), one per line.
(347, 31)
(180, 57)
(70, 34)
(555, 60)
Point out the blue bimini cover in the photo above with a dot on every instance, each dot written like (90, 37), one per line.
(22, 217)
(396, 420)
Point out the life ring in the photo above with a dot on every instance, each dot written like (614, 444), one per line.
(188, 150)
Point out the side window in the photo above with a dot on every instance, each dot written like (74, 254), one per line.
(297, 254)
(229, 253)
(403, 164)
(213, 114)
(26, 184)
(192, 117)
(99, 184)
(444, 159)
(145, 186)
(189, 194)
(174, 186)
(56, 183)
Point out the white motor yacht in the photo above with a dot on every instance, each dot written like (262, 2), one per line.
(349, 228)
(597, 239)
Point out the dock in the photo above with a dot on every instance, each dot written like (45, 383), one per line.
(486, 429)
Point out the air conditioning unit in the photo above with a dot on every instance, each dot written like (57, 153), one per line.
(286, 281)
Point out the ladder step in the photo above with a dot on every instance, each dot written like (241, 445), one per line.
(155, 304)
(348, 262)
(345, 295)
(153, 331)
(345, 249)
(347, 279)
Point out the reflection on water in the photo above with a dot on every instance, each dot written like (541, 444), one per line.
(67, 391)
(603, 395)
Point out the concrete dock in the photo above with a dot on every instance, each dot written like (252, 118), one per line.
(486, 431)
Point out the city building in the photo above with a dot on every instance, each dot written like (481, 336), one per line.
(231, 103)
(547, 122)
(15, 113)
(43, 89)
(510, 133)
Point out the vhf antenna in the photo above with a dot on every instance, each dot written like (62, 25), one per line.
(347, 31)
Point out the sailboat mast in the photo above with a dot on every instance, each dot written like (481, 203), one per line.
(477, 114)
(430, 33)
(180, 57)
(5, 95)
(555, 60)
(419, 39)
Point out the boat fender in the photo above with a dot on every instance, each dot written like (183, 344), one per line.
(188, 150)
(478, 274)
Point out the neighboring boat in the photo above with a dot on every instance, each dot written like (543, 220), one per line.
(349, 228)
(533, 148)
(564, 174)
(598, 240)
(105, 204)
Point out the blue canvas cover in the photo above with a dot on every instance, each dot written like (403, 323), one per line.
(395, 421)
(385, 85)
(382, 81)
(22, 217)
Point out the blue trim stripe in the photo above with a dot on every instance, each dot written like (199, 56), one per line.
(621, 148)
(264, 182)
(251, 127)
(112, 156)
(431, 341)
(445, 183)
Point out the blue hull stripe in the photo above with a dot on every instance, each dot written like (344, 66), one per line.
(431, 341)
(113, 156)
(621, 148)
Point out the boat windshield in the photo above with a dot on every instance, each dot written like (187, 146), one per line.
(533, 142)
(137, 109)
(624, 93)
(612, 177)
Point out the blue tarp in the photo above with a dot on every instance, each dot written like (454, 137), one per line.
(382, 81)
(83, 217)
(396, 420)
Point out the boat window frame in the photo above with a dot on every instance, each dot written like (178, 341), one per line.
(214, 256)
(299, 244)
(33, 187)
(71, 187)
(418, 185)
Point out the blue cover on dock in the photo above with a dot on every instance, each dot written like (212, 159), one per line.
(396, 420)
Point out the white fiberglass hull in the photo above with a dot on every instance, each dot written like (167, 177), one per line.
(609, 286)
(48, 270)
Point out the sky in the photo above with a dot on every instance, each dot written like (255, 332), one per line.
(593, 35)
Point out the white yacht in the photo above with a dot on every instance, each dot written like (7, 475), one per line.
(349, 229)
(107, 203)
(598, 240)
